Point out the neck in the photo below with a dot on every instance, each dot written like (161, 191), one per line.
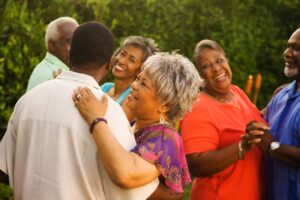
(120, 86)
(222, 97)
(97, 73)
(141, 123)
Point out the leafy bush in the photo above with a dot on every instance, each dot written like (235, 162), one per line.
(6, 192)
(253, 34)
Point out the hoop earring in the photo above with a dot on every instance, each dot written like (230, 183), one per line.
(162, 119)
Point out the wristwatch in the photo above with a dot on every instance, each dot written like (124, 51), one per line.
(274, 146)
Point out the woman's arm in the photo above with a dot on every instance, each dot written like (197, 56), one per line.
(126, 169)
(212, 162)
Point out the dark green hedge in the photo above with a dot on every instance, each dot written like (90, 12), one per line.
(253, 33)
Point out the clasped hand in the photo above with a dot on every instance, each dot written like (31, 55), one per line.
(258, 134)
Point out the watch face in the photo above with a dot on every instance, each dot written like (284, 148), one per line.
(274, 145)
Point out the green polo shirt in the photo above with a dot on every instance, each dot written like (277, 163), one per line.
(44, 70)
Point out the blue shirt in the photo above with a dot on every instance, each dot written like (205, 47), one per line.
(107, 86)
(283, 116)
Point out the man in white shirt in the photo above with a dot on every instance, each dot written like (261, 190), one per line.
(47, 151)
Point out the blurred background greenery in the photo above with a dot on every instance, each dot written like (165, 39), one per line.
(253, 34)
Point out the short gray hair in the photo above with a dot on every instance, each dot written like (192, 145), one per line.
(147, 45)
(206, 44)
(176, 81)
(52, 32)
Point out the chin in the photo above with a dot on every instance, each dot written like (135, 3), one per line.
(291, 72)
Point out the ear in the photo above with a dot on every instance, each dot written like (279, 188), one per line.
(163, 108)
(51, 46)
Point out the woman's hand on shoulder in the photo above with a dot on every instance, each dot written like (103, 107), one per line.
(88, 105)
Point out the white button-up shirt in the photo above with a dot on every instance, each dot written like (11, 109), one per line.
(48, 152)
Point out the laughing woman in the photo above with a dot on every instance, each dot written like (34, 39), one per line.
(162, 93)
(126, 65)
(224, 165)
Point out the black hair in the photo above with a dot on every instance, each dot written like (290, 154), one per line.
(92, 43)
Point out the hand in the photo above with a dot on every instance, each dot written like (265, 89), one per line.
(88, 105)
(258, 134)
(57, 72)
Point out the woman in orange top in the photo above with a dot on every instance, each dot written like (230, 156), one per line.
(224, 164)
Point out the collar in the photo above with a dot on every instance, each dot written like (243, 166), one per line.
(292, 88)
(55, 61)
(79, 77)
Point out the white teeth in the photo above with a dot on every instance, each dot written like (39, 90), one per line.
(220, 77)
(132, 96)
(118, 67)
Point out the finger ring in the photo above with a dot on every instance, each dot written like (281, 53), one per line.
(78, 96)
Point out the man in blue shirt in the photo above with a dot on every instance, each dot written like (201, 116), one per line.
(58, 37)
(281, 141)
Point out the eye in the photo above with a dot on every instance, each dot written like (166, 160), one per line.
(204, 66)
(144, 84)
(296, 47)
(122, 53)
(219, 60)
(132, 60)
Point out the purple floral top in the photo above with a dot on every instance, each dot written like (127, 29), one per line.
(161, 145)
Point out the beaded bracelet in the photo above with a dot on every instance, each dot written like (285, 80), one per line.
(241, 151)
(95, 121)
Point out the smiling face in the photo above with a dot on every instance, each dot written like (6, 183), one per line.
(128, 63)
(292, 56)
(143, 101)
(215, 70)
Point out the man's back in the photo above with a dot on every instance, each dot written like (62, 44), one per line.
(55, 156)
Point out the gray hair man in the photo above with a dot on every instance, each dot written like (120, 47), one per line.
(58, 36)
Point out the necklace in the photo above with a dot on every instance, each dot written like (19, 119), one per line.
(223, 100)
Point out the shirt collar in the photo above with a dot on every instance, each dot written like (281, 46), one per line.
(292, 90)
(79, 77)
(55, 61)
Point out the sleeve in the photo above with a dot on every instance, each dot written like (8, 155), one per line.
(199, 131)
(106, 86)
(165, 150)
(7, 149)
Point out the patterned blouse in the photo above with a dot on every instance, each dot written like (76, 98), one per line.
(161, 145)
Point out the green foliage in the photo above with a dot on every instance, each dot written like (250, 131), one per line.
(253, 34)
(6, 192)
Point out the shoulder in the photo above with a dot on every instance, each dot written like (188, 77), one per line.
(107, 86)
(236, 90)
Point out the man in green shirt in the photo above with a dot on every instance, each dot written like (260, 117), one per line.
(58, 36)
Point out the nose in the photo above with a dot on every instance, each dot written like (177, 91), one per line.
(287, 52)
(121, 59)
(134, 85)
(215, 66)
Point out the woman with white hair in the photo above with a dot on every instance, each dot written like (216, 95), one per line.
(162, 93)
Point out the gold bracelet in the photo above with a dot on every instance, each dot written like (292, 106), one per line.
(241, 151)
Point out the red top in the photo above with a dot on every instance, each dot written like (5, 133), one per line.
(215, 125)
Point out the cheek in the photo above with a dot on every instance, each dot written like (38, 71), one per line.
(204, 74)
(297, 57)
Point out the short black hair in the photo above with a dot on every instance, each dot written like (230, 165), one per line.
(92, 43)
